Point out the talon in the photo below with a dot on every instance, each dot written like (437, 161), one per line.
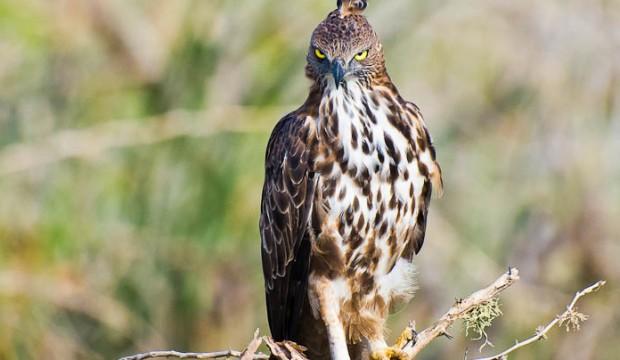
(389, 353)
(404, 338)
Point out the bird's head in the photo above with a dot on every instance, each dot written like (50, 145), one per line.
(344, 47)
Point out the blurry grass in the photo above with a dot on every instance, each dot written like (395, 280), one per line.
(125, 235)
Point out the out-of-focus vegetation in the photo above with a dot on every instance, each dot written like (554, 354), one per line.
(132, 136)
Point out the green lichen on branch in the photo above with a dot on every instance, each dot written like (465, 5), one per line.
(480, 318)
(571, 320)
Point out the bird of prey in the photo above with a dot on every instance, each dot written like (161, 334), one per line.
(349, 177)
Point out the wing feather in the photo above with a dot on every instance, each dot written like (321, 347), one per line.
(285, 209)
(433, 182)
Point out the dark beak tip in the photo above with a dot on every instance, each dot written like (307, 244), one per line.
(338, 73)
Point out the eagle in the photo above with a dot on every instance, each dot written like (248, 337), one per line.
(348, 182)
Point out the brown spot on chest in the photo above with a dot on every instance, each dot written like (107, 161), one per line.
(327, 259)
(354, 138)
(356, 204)
(391, 149)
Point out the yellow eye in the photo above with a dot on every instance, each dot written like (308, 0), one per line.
(361, 56)
(319, 54)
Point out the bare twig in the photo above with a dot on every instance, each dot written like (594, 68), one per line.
(179, 355)
(569, 318)
(286, 350)
(458, 311)
(411, 342)
(248, 354)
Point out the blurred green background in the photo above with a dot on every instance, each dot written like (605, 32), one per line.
(132, 137)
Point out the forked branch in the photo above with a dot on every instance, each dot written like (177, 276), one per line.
(180, 355)
(249, 354)
(411, 342)
(570, 319)
(418, 341)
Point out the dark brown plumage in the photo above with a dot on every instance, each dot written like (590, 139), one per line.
(349, 177)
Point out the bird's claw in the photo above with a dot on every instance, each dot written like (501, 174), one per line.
(406, 337)
(389, 353)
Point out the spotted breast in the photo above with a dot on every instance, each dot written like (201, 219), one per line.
(377, 168)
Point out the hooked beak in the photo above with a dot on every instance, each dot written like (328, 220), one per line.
(338, 72)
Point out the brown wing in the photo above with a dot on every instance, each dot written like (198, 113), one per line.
(433, 182)
(285, 209)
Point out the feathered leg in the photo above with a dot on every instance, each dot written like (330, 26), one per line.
(327, 305)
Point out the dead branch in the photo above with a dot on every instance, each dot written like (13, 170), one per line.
(179, 355)
(413, 343)
(570, 318)
(286, 350)
(249, 354)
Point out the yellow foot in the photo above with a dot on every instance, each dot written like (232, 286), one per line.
(389, 353)
(405, 338)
